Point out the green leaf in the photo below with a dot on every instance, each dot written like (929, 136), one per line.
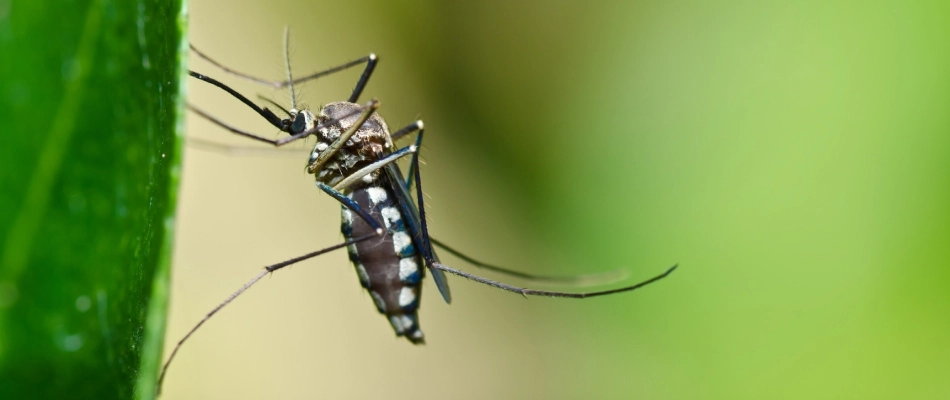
(90, 139)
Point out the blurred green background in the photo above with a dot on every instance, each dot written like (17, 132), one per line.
(91, 131)
(793, 158)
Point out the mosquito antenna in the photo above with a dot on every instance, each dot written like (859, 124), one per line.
(290, 77)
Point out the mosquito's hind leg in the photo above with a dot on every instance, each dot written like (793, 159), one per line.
(430, 259)
(582, 280)
(586, 279)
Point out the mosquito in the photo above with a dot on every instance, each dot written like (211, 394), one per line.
(385, 231)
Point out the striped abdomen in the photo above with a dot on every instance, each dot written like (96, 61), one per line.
(388, 267)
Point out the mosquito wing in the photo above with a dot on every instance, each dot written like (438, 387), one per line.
(408, 208)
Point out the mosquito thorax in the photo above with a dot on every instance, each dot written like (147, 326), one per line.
(370, 142)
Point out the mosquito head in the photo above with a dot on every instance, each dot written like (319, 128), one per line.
(303, 120)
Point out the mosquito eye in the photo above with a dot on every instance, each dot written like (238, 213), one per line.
(300, 123)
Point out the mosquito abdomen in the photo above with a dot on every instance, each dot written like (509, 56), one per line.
(389, 267)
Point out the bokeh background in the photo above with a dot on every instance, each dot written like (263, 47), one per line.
(793, 158)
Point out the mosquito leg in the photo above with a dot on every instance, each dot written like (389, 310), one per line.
(433, 263)
(415, 126)
(352, 206)
(281, 84)
(362, 172)
(371, 61)
(267, 270)
(577, 280)
(545, 293)
(231, 71)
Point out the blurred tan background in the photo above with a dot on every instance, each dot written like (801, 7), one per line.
(792, 158)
